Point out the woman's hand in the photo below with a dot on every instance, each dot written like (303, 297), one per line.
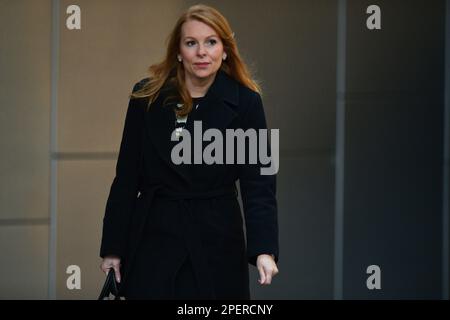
(111, 262)
(267, 268)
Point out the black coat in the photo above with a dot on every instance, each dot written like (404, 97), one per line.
(159, 213)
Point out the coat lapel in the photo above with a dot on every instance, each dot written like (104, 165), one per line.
(217, 111)
(159, 122)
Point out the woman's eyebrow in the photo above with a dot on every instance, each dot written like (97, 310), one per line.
(213, 35)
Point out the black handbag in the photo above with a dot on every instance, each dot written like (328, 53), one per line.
(110, 288)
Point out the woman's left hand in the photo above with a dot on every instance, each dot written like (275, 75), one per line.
(267, 268)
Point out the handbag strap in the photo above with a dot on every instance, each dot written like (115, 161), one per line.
(110, 287)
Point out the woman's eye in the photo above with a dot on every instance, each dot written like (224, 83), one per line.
(210, 42)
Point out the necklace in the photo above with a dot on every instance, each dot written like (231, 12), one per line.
(180, 122)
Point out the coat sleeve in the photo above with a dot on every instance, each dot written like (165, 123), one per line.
(258, 193)
(123, 192)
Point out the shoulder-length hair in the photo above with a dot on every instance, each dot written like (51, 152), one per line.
(170, 72)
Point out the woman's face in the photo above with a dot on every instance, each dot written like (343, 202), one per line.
(201, 49)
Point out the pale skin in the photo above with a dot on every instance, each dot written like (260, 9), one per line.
(200, 43)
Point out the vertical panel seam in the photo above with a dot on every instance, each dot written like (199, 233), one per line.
(340, 149)
(446, 169)
(53, 147)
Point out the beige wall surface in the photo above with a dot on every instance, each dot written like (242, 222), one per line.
(99, 64)
(25, 143)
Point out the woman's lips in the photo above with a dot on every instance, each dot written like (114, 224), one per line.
(202, 65)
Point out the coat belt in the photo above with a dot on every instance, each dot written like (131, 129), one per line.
(193, 240)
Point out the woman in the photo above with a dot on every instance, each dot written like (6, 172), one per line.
(175, 231)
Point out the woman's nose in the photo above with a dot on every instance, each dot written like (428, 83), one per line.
(201, 50)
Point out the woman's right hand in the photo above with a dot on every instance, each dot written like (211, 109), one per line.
(111, 262)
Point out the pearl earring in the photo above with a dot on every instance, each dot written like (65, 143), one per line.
(179, 59)
(224, 56)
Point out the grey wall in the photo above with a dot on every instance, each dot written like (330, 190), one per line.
(394, 150)
(63, 97)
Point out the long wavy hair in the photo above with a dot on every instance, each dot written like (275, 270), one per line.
(171, 73)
